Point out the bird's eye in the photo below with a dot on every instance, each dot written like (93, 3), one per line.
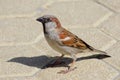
(48, 19)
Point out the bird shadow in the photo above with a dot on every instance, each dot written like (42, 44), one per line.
(45, 61)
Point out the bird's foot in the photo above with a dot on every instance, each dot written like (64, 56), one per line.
(66, 71)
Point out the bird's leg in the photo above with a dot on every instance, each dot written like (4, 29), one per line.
(56, 62)
(70, 68)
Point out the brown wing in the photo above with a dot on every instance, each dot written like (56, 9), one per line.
(69, 39)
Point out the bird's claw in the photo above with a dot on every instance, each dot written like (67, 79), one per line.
(66, 71)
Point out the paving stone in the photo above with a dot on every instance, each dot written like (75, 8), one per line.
(118, 78)
(112, 26)
(113, 4)
(19, 30)
(20, 7)
(83, 13)
(114, 53)
(84, 71)
(14, 69)
(20, 61)
(20, 78)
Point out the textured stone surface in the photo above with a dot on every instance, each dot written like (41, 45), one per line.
(112, 26)
(114, 52)
(83, 13)
(20, 61)
(23, 30)
(118, 78)
(113, 4)
(84, 71)
(19, 7)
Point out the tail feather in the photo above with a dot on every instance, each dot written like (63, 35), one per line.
(96, 50)
(99, 51)
(93, 49)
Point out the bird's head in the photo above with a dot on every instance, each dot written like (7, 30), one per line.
(49, 22)
(45, 19)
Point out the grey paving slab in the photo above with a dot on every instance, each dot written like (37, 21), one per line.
(19, 30)
(84, 71)
(112, 26)
(20, 61)
(20, 8)
(112, 4)
(118, 78)
(114, 52)
(83, 13)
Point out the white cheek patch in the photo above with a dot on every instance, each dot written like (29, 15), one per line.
(50, 25)
(66, 39)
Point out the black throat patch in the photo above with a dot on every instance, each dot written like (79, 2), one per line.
(44, 28)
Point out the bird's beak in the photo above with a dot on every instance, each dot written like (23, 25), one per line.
(40, 19)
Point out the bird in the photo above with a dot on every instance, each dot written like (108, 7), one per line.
(64, 41)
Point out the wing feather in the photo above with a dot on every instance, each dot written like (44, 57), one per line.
(69, 39)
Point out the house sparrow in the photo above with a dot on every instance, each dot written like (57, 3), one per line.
(63, 41)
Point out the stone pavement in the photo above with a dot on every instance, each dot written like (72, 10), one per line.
(24, 51)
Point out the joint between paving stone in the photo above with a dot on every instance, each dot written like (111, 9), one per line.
(111, 66)
(105, 6)
(116, 78)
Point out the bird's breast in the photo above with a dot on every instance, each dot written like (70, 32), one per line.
(54, 44)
